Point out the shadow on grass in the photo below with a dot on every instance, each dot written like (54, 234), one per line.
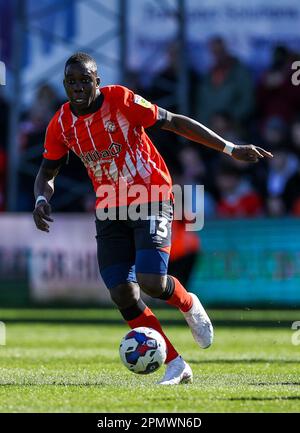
(275, 383)
(291, 397)
(168, 322)
(244, 361)
(53, 383)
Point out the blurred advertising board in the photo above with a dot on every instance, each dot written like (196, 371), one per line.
(249, 263)
(243, 262)
(60, 265)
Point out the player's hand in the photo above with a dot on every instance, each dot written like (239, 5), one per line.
(250, 153)
(41, 214)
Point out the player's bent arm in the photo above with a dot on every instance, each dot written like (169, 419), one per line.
(195, 131)
(43, 191)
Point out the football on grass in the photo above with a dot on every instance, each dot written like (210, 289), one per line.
(143, 350)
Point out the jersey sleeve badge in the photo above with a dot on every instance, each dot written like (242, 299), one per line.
(142, 101)
(110, 126)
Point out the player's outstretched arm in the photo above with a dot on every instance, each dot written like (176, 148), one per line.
(43, 191)
(195, 131)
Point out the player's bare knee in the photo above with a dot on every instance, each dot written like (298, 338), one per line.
(152, 284)
(125, 295)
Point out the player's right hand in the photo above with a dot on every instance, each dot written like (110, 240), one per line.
(41, 214)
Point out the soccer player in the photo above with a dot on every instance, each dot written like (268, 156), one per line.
(105, 127)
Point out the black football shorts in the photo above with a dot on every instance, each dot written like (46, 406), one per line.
(127, 247)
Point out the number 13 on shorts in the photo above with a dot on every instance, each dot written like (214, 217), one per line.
(158, 225)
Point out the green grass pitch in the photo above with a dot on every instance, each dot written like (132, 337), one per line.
(54, 363)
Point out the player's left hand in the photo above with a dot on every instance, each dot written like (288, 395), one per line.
(250, 153)
(41, 214)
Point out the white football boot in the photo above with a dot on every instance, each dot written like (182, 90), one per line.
(178, 371)
(200, 324)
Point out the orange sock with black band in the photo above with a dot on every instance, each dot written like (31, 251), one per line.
(175, 294)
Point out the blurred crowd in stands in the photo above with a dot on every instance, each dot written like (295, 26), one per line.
(231, 100)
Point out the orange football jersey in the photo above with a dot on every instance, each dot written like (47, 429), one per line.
(113, 146)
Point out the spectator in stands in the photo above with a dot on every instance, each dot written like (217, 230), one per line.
(2, 179)
(44, 105)
(184, 252)
(163, 91)
(228, 85)
(164, 83)
(32, 133)
(223, 124)
(195, 172)
(275, 133)
(276, 95)
(4, 121)
(284, 165)
(291, 194)
(185, 244)
(237, 197)
(295, 136)
(282, 168)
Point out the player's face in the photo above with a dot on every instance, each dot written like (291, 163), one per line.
(81, 85)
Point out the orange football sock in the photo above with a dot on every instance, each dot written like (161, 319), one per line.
(180, 297)
(148, 319)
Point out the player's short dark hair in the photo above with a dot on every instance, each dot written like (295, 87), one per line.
(82, 58)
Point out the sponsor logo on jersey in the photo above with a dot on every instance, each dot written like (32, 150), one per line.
(105, 155)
